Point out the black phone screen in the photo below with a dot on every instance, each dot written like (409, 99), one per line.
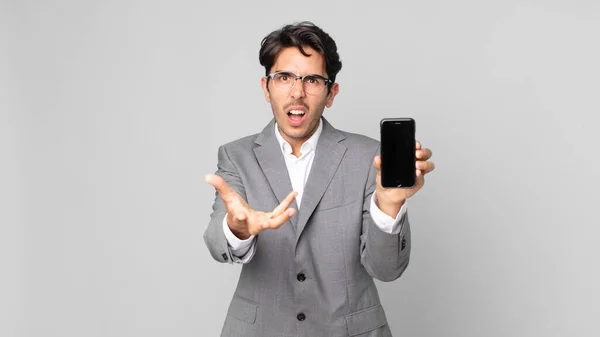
(398, 152)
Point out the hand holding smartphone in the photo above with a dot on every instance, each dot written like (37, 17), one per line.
(398, 148)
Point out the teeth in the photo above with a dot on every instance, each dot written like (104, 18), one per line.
(297, 112)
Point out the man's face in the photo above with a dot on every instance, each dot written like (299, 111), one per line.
(296, 112)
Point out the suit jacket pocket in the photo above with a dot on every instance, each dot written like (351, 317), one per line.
(366, 320)
(242, 309)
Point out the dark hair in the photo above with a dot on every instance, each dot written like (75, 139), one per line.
(302, 34)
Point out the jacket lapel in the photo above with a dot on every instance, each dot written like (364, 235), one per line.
(272, 163)
(328, 155)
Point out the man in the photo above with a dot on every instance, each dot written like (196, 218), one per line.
(301, 206)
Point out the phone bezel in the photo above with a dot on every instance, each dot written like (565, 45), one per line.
(414, 126)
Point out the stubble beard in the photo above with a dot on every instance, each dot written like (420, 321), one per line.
(301, 134)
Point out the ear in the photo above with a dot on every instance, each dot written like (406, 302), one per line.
(263, 83)
(335, 88)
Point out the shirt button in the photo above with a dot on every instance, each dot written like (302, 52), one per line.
(301, 317)
(301, 277)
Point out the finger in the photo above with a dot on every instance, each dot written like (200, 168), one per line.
(418, 145)
(423, 154)
(277, 221)
(425, 166)
(284, 204)
(429, 167)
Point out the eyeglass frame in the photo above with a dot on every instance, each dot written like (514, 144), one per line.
(328, 82)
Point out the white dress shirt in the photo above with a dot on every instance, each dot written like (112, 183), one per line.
(298, 169)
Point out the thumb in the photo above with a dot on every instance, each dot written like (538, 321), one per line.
(230, 197)
(377, 163)
(219, 184)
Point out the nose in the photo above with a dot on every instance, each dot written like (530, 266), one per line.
(298, 89)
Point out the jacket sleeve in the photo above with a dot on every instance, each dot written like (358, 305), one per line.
(214, 235)
(385, 256)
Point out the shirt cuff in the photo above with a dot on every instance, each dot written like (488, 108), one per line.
(239, 247)
(385, 222)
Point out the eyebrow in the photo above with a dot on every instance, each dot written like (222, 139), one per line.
(291, 72)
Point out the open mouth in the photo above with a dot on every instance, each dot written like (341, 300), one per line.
(296, 116)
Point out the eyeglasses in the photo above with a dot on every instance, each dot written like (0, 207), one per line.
(312, 83)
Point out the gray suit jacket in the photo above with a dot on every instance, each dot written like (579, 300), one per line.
(314, 275)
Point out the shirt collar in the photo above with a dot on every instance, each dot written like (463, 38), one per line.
(309, 145)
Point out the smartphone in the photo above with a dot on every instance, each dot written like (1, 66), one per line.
(398, 153)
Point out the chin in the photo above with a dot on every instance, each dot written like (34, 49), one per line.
(295, 133)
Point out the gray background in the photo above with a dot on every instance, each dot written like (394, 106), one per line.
(112, 112)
